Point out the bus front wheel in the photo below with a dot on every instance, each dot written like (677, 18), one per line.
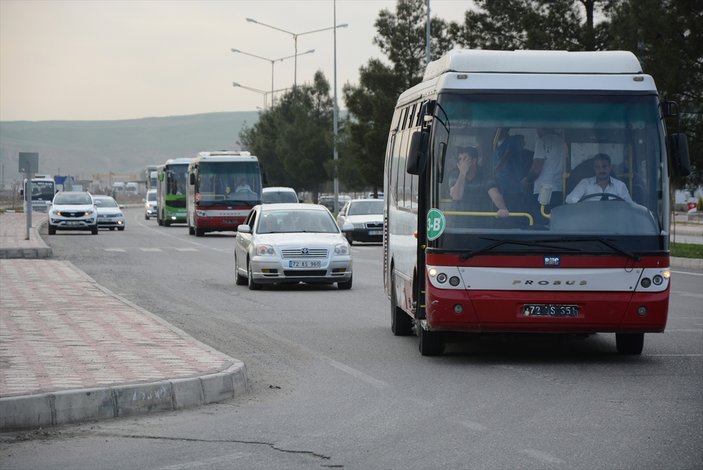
(629, 343)
(431, 343)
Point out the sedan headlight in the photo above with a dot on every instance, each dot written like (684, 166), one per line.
(89, 213)
(265, 250)
(341, 249)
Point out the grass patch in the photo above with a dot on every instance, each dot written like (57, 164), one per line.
(686, 250)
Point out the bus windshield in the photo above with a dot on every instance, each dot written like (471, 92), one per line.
(565, 166)
(42, 190)
(229, 182)
(176, 178)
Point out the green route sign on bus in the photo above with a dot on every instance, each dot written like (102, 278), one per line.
(435, 224)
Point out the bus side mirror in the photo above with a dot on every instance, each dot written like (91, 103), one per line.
(191, 178)
(417, 156)
(678, 152)
(669, 109)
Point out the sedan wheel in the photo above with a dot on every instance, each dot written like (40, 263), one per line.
(345, 285)
(253, 285)
(238, 278)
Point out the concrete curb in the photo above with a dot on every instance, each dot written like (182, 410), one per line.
(28, 253)
(691, 263)
(80, 405)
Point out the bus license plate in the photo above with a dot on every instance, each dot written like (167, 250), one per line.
(550, 310)
(304, 264)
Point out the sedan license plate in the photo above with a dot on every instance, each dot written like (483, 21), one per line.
(375, 233)
(304, 264)
(73, 222)
(550, 310)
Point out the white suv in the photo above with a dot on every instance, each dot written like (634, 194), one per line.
(73, 210)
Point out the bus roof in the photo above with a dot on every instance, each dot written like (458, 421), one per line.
(223, 156)
(177, 161)
(550, 62)
(224, 153)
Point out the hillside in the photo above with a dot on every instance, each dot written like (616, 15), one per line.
(83, 148)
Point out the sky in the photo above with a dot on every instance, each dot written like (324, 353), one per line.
(130, 59)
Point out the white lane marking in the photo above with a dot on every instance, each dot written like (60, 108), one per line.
(684, 330)
(120, 250)
(150, 249)
(186, 249)
(674, 355)
(543, 456)
(358, 374)
(473, 426)
(686, 272)
(222, 459)
(687, 294)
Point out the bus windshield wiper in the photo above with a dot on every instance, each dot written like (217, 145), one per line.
(496, 243)
(601, 240)
(235, 201)
(547, 244)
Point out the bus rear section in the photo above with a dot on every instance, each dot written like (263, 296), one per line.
(222, 189)
(477, 241)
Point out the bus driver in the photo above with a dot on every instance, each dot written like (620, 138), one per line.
(602, 186)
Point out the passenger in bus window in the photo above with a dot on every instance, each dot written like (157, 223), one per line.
(467, 175)
(602, 186)
(546, 170)
(508, 168)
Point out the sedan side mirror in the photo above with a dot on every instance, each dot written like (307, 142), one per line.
(244, 228)
(348, 227)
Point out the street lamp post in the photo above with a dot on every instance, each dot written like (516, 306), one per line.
(256, 90)
(295, 40)
(273, 61)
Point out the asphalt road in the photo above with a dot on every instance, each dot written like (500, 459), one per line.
(332, 387)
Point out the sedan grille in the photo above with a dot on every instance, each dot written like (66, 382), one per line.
(72, 213)
(304, 253)
(305, 273)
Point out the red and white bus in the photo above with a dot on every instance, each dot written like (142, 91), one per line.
(222, 188)
(549, 262)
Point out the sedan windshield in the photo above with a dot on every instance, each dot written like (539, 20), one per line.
(105, 202)
(290, 221)
(366, 207)
(73, 199)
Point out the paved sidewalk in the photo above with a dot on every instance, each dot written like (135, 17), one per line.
(89, 354)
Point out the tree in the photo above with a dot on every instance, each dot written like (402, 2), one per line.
(371, 107)
(294, 139)
(531, 24)
(668, 40)
(401, 36)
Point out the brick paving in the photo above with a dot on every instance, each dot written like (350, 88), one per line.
(80, 336)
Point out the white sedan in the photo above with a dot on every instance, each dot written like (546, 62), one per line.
(291, 243)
